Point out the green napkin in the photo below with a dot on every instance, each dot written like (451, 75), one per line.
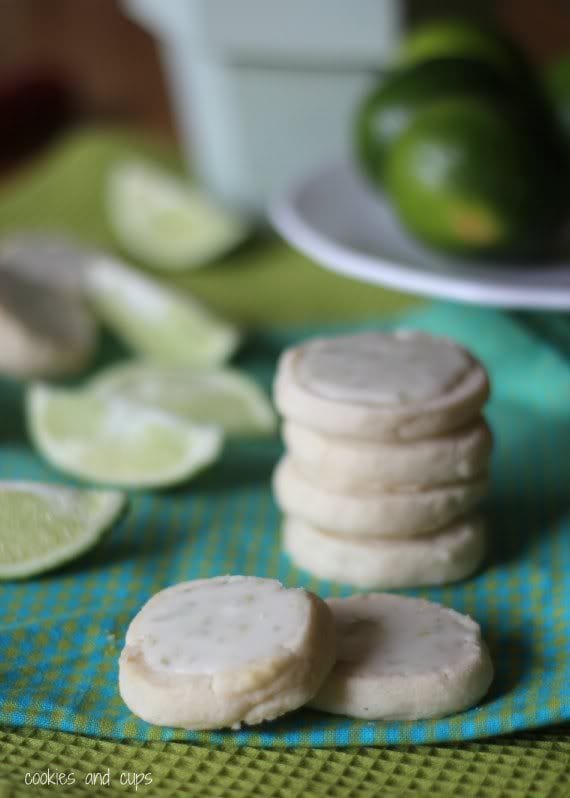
(263, 283)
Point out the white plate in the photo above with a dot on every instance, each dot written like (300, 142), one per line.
(337, 221)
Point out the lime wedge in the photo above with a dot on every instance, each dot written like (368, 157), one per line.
(114, 441)
(223, 397)
(156, 320)
(163, 222)
(43, 526)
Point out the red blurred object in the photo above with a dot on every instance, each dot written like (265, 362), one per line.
(34, 107)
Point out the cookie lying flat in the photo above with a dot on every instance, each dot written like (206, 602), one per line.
(444, 556)
(403, 659)
(343, 463)
(44, 331)
(390, 513)
(379, 386)
(225, 651)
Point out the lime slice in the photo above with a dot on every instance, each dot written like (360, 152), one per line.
(114, 441)
(156, 320)
(160, 220)
(223, 397)
(43, 526)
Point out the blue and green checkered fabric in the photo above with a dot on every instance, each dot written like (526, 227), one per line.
(61, 634)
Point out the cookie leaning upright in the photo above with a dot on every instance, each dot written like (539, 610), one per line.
(404, 659)
(387, 455)
(397, 386)
(225, 651)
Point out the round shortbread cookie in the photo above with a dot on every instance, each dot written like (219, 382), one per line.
(444, 556)
(220, 652)
(381, 386)
(392, 512)
(403, 659)
(343, 463)
(44, 331)
(48, 258)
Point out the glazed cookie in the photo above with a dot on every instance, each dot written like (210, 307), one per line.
(411, 510)
(403, 659)
(447, 555)
(44, 332)
(344, 463)
(51, 259)
(220, 652)
(397, 386)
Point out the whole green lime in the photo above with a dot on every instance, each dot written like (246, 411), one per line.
(466, 178)
(557, 84)
(463, 38)
(486, 43)
(392, 105)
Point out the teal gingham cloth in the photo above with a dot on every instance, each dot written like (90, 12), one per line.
(61, 634)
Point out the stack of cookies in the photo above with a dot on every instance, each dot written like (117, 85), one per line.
(387, 455)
